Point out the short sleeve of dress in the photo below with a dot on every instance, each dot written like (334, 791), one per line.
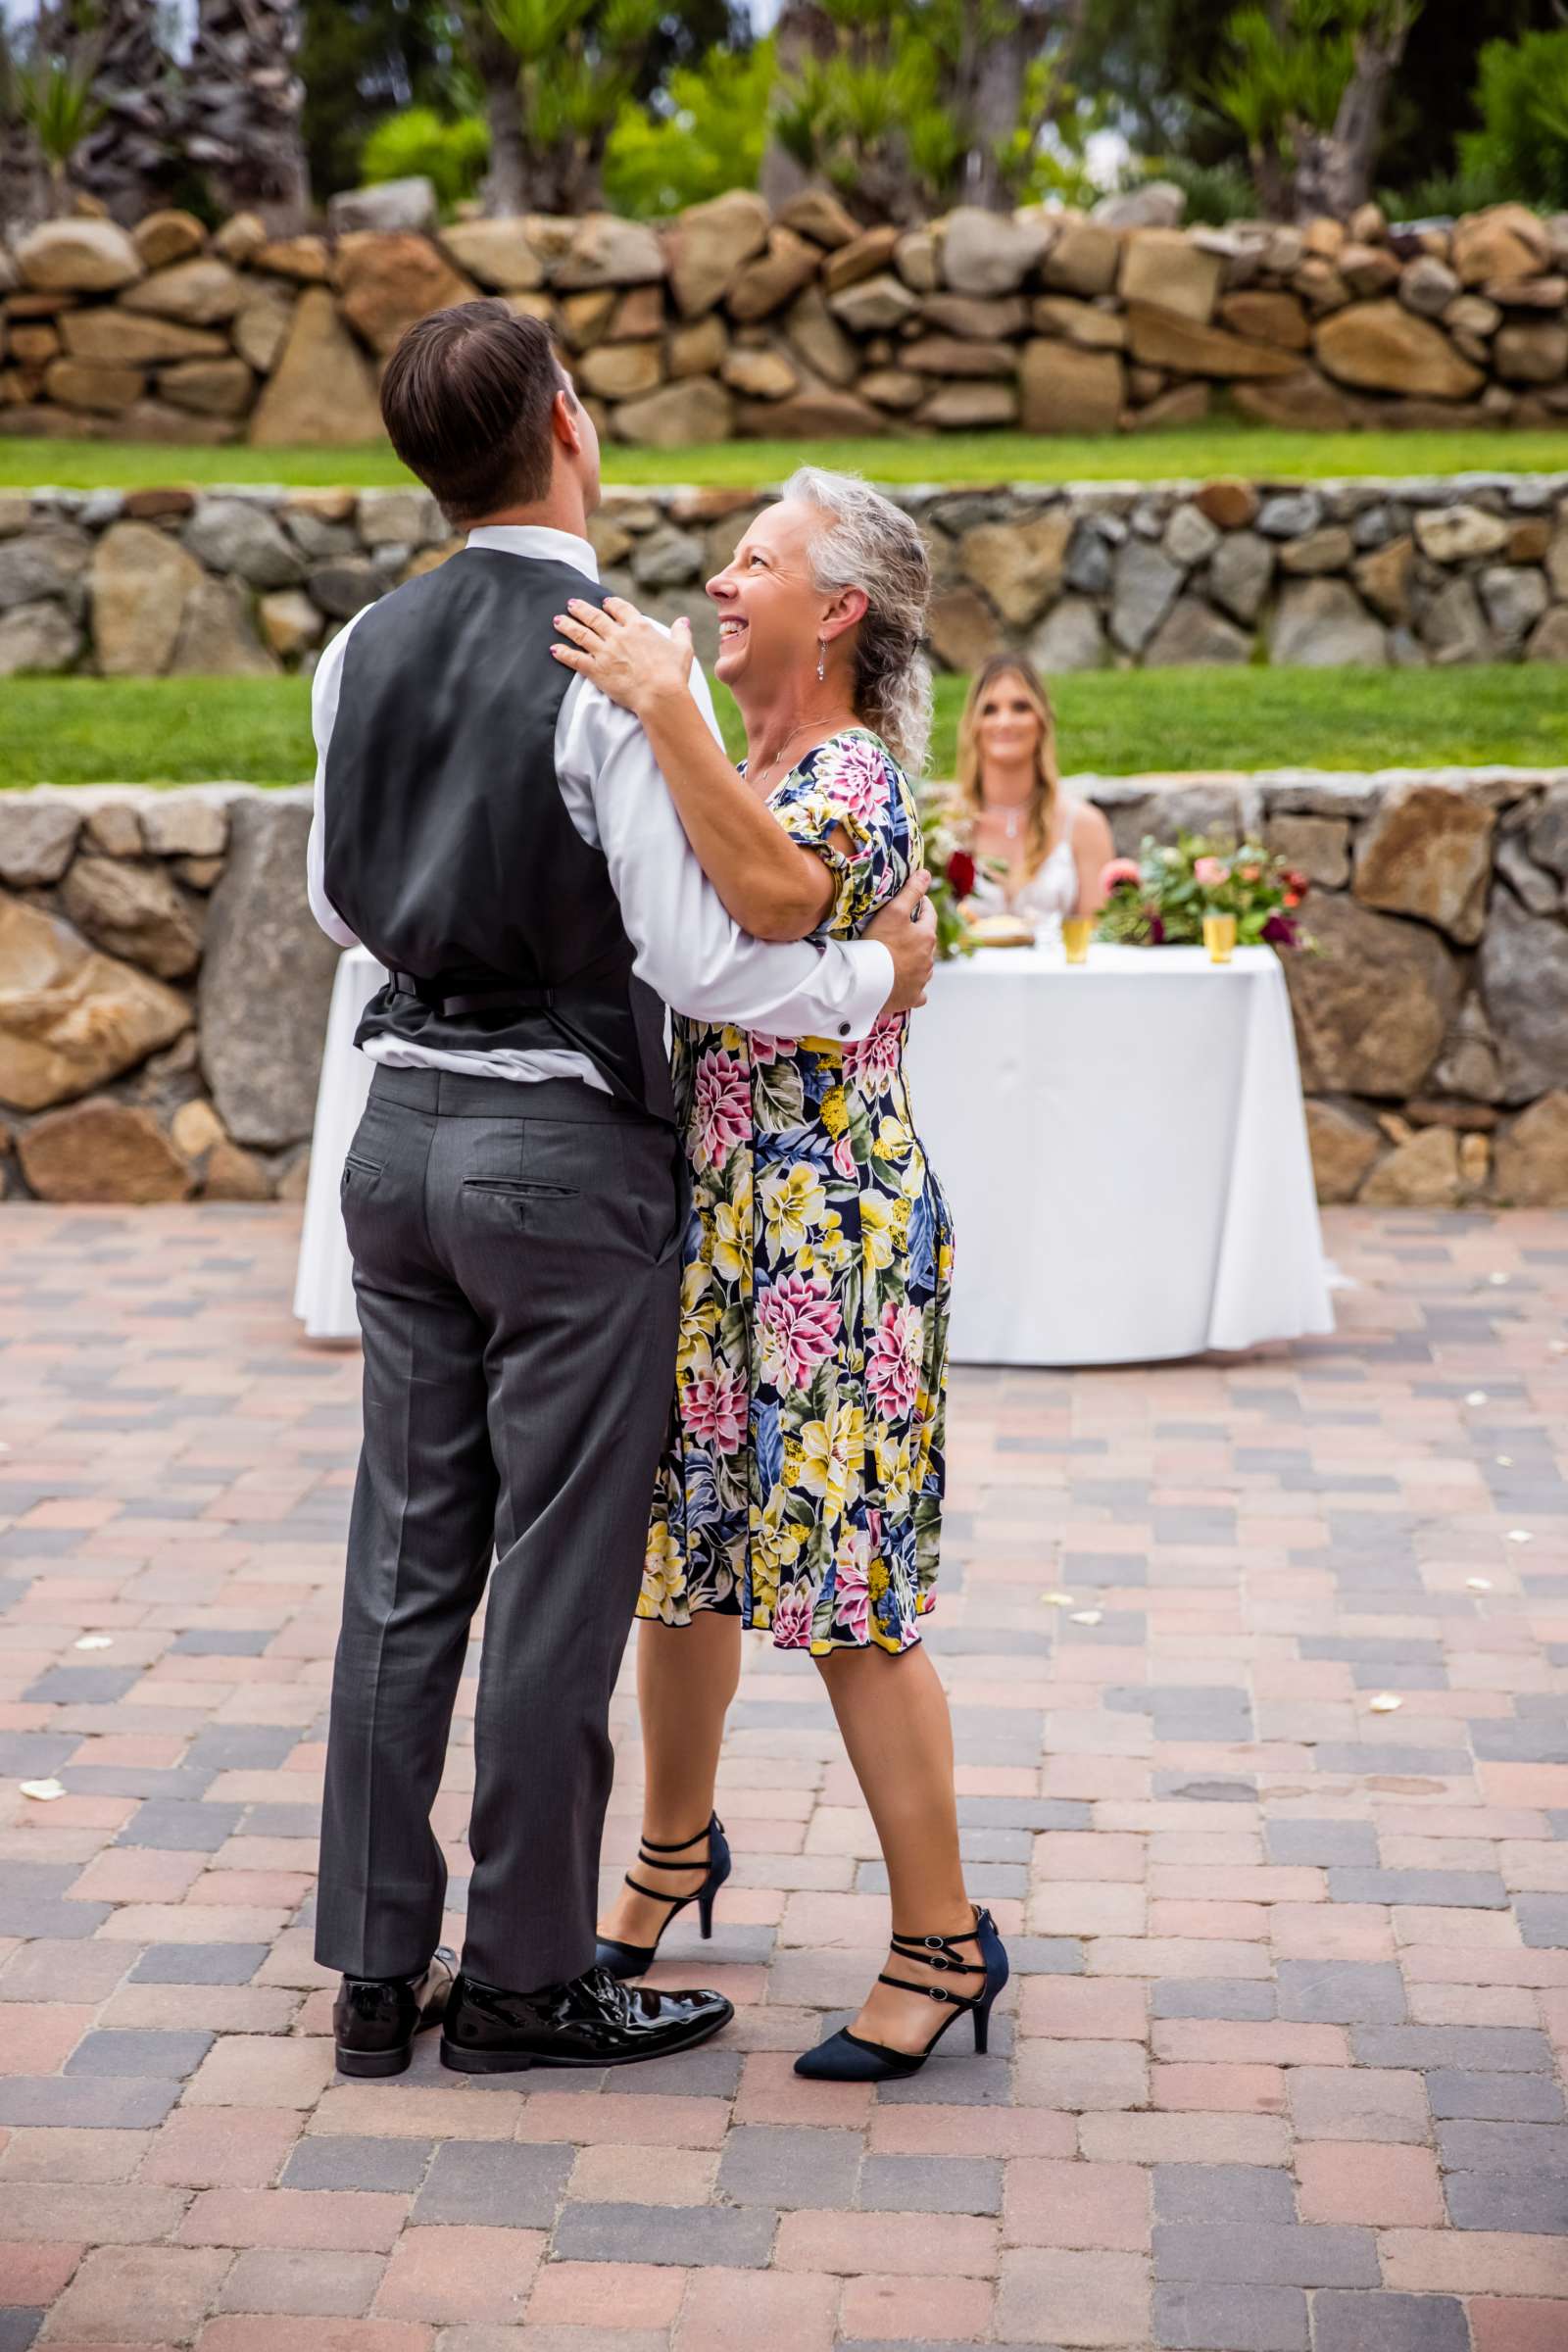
(851, 786)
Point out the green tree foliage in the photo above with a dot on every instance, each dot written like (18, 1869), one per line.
(364, 64)
(1157, 63)
(451, 151)
(911, 108)
(48, 104)
(1521, 149)
(1304, 81)
(704, 134)
(556, 75)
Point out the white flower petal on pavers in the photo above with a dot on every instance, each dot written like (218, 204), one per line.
(1479, 1584)
(1056, 1600)
(95, 1641)
(44, 1790)
(1386, 1703)
(1520, 1534)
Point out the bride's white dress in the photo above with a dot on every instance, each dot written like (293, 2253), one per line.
(1048, 893)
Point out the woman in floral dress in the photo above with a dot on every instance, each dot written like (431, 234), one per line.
(803, 1486)
(801, 1493)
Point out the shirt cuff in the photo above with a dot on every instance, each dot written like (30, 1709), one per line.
(871, 985)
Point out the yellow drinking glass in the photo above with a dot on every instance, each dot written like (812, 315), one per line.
(1077, 930)
(1219, 937)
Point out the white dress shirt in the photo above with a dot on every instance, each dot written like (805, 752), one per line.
(689, 949)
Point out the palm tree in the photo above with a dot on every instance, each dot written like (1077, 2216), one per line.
(242, 107)
(127, 159)
(47, 108)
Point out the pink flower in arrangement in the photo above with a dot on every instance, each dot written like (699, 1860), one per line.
(792, 1619)
(712, 1409)
(799, 1320)
(1119, 870)
(893, 1369)
(721, 1106)
(1250, 873)
(1208, 873)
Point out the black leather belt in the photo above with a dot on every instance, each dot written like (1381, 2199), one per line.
(447, 995)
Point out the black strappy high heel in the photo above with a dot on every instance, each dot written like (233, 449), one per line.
(847, 2057)
(631, 1959)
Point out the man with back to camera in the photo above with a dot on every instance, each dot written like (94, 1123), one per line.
(497, 832)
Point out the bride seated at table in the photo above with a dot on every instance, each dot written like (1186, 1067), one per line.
(1038, 852)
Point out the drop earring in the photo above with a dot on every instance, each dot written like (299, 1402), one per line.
(821, 660)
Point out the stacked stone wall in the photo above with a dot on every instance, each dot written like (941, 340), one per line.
(731, 321)
(1470, 569)
(163, 991)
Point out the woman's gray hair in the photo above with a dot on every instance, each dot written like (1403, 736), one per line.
(870, 543)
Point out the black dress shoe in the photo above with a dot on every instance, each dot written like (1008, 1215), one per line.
(375, 2018)
(594, 2021)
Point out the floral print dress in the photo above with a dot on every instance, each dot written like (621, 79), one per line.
(802, 1485)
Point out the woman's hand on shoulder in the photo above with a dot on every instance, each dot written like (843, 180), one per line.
(627, 655)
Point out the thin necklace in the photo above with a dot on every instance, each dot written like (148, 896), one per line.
(766, 766)
(1012, 819)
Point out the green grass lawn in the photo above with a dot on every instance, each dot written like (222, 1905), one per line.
(1198, 451)
(189, 730)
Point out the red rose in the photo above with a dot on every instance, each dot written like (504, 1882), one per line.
(960, 873)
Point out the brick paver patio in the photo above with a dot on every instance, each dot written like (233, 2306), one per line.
(1273, 1811)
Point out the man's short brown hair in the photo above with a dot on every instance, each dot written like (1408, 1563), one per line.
(467, 399)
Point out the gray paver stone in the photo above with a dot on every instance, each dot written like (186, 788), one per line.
(1266, 2254)
(494, 2185)
(1389, 2323)
(793, 2168)
(685, 2236)
(1240, 2319)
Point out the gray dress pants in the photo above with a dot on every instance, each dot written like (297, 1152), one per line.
(517, 1264)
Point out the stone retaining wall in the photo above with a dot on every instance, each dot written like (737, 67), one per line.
(1436, 569)
(730, 321)
(163, 991)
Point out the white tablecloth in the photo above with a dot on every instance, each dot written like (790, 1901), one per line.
(1123, 1147)
(1125, 1155)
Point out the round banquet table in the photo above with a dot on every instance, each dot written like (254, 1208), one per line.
(1124, 1151)
(1122, 1144)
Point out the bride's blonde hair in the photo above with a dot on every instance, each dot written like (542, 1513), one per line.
(1048, 777)
(870, 543)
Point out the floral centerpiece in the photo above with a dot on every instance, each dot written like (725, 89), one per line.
(952, 869)
(1159, 898)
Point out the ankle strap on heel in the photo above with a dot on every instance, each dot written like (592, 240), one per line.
(926, 1948)
(648, 1859)
(648, 1847)
(938, 1953)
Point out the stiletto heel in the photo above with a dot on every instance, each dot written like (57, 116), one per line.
(632, 1959)
(847, 2057)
